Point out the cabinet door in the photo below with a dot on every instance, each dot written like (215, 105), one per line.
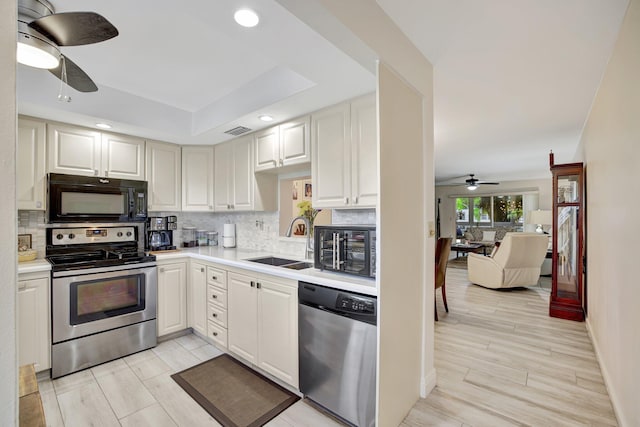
(163, 175)
(243, 180)
(266, 144)
(172, 298)
(242, 317)
(197, 305)
(278, 330)
(330, 166)
(223, 171)
(31, 165)
(34, 339)
(74, 151)
(197, 179)
(122, 157)
(295, 142)
(364, 152)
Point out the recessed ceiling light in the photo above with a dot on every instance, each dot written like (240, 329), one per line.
(246, 18)
(103, 125)
(265, 118)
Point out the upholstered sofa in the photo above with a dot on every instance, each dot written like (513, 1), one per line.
(487, 236)
(515, 263)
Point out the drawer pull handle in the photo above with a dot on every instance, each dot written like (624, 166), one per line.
(215, 334)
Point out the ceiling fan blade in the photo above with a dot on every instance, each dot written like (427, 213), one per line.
(76, 78)
(75, 28)
(488, 183)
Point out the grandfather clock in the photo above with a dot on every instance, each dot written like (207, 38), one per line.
(568, 299)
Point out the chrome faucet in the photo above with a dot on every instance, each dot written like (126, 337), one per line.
(308, 248)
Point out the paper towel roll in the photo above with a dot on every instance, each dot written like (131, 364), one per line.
(229, 236)
(229, 230)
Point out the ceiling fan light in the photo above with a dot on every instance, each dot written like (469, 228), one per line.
(471, 187)
(246, 17)
(34, 52)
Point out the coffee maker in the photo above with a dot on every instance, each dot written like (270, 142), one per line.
(160, 233)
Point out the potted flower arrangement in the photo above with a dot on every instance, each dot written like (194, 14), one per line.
(306, 210)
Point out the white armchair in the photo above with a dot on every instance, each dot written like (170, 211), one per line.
(516, 262)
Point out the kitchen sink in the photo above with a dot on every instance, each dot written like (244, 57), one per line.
(271, 260)
(298, 265)
(293, 264)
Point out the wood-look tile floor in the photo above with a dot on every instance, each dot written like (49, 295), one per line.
(502, 361)
(138, 391)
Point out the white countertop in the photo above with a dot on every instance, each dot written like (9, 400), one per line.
(34, 266)
(237, 257)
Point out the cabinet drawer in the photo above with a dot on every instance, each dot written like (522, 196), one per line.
(217, 333)
(217, 277)
(217, 314)
(217, 296)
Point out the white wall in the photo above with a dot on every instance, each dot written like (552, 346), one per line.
(8, 361)
(610, 148)
(447, 194)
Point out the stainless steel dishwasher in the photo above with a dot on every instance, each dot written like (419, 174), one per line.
(338, 347)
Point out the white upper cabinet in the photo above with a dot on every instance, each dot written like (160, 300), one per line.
(267, 148)
(163, 176)
(73, 150)
(122, 157)
(283, 146)
(364, 152)
(31, 165)
(197, 179)
(331, 164)
(345, 159)
(79, 151)
(237, 188)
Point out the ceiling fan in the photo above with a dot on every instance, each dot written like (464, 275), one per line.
(41, 33)
(473, 183)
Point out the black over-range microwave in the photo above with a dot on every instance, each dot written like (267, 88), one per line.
(346, 249)
(74, 198)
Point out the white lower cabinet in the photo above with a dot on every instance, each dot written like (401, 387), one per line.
(263, 323)
(34, 326)
(172, 297)
(197, 298)
(217, 318)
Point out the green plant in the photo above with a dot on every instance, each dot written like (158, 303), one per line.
(306, 210)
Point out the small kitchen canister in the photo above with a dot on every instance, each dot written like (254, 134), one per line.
(212, 238)
(188, 237)
(201, 237)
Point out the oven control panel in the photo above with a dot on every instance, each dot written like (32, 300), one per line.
(84, 235)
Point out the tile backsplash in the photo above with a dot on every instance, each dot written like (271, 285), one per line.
(32, 222)
(254, 230)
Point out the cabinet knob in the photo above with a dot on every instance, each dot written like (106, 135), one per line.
(214, 278)
(95, 172)
(355, 200)
(252, 284)
(106, 173)
(258, 285)
(215, 334)
(202, 270)
(346, 200)
(215, 315)
(214, 296)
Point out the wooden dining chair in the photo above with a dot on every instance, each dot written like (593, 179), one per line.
(443, 249)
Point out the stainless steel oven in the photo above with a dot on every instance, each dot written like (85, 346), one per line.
(103, 296)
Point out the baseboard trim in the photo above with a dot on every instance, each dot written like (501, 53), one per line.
(428, 383)
(606, 377)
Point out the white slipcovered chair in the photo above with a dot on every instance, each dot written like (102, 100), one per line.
(515, 263)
